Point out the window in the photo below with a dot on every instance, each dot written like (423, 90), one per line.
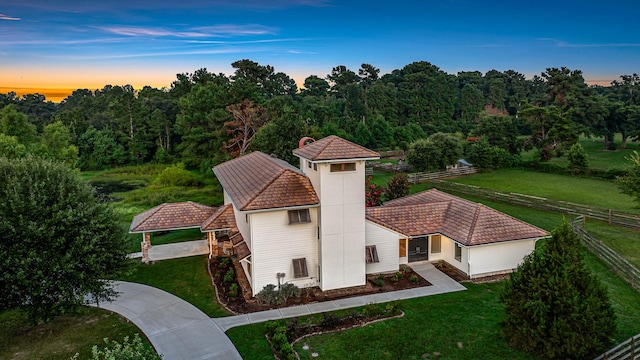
(436, 244)
(300, 268)
(403, 248)
(458, 253)
(299, 216)
(343, 167)
(315, 166)
(371, 254)
(309, 164)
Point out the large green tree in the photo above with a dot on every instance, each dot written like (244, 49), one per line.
(57, 241)
(554, 307)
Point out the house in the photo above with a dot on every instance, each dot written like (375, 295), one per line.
(309, 225)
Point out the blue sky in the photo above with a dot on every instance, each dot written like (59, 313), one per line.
(75, 44)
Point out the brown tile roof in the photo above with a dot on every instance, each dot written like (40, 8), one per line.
(466, 222)
(334, 148)
(240, 247)
(223, 218)
(257, 181)
(182, 215)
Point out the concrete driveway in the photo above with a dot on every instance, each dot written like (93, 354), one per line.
(175, 328)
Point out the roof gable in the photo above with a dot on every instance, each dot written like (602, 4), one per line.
(223, 218)
(182, 215)
(257, 181)
(464, 221)
(334, 148)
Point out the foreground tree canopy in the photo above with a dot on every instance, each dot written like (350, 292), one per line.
(554, 308)
(57, 241)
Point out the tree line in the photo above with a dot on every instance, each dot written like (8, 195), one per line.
(205, 118)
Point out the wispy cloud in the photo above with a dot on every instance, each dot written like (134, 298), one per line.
(140, 31)
(162, 54)
(562, 43)
(236, 30)
(262, 41)
(227, 30)
(300, 52)
(10, 18)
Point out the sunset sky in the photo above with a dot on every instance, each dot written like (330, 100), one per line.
(55, 46)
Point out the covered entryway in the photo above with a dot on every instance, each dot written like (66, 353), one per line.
(418, 249)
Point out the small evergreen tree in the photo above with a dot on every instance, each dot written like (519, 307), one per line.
(554, 308)
(397, 186)
(578, 163)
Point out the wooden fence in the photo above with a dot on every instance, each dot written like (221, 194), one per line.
(415, 178)
(607, 215)
(627, 350)
(617, 263)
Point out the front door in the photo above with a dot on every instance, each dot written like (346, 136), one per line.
(419, 249)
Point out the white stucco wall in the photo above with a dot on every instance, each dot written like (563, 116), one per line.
(387, 246)
(342, 226)
(275, 243)
(499, 257)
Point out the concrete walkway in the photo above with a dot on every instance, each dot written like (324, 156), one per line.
(175, 328)
(441, 283)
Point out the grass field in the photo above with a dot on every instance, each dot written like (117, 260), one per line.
(587, 191)
(186, 278)
(598, 158)
(63, 337)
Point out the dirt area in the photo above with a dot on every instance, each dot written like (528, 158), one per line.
(460, 277)
(235, 295)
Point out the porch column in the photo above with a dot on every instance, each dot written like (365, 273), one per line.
(145, 245)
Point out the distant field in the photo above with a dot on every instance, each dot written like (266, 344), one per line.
(594, 192)
(599, 158)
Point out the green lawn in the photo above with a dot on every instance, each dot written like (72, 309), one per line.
(62, 337)
(574, 189)
(598, 158)
(186, 278)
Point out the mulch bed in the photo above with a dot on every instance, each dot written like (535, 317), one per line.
(243, 303)
(460, 277)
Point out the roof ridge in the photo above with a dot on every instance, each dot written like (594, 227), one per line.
(512, 217)
(331, 138)
(473, 223)
(157, 208)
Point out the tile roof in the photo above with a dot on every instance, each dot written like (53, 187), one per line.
(182, 215)
(223, 218)
(466, 222)
(334, 148)
(258, 181)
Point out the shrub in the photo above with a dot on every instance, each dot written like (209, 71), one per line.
(396, 277)
(393, 308)
(176, 175)
(578, 163)
(126, 350)
(271, 326)
(268, 294)
(224, 263)
(330, 320)
(233, 290)
(286, 291)
(372, 310)
(229, 276)
(414, 279)
(379, 281)
(397, 186)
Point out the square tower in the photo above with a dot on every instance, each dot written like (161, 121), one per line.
(336, 168)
